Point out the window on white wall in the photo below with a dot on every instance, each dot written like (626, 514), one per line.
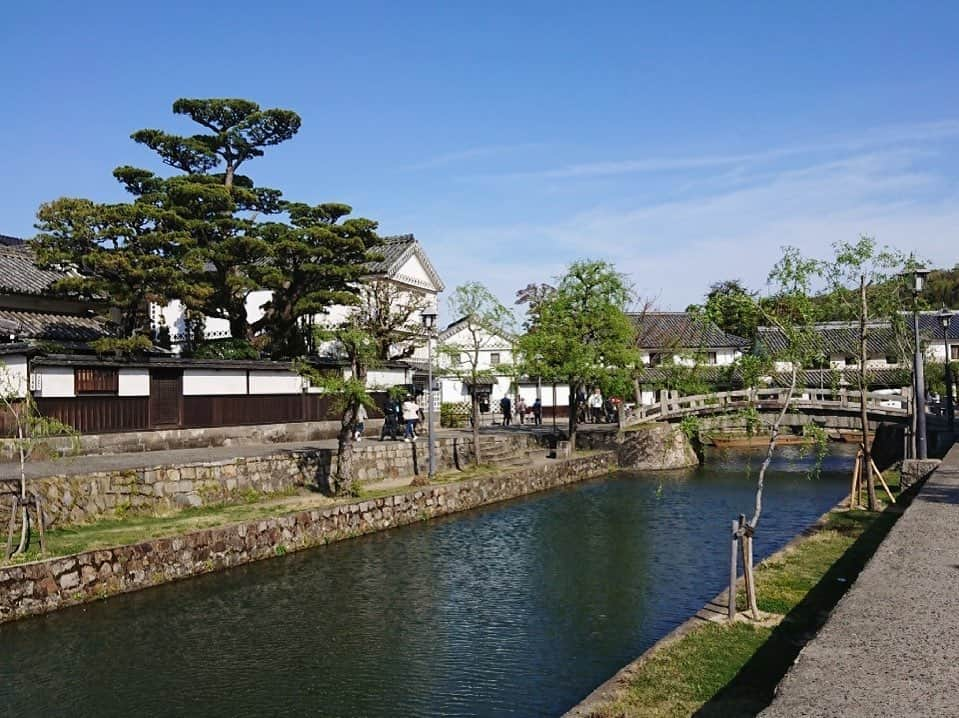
(954, 352)
(494, 358)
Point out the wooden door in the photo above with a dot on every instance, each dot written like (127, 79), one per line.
(166, 394)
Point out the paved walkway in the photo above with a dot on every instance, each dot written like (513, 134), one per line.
(85, 464)
(891, 646)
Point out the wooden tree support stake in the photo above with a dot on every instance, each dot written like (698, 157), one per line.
(732, 570)
(854, 490)
(882, 481)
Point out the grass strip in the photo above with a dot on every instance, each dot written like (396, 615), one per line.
(131, 528)
(732, 670)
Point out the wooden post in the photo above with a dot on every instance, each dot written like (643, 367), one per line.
(882, 481)
(854, 489)
(753, 604)
(14, 505)
(43, 541)
(747, 565)
(732, 571)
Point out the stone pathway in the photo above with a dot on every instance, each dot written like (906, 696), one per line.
(86, 464)
(891, 646)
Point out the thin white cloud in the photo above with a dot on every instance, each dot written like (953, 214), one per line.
(675, 249)
(471, 153)
(877, 137)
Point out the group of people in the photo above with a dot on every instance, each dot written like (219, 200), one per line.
(401, 416)
(595, 409)
(522, 412)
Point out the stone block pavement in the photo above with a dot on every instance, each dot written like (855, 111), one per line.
(891, 646)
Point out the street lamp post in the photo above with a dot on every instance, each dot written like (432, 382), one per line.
(919, 275)
(429, 323)
(945, 317)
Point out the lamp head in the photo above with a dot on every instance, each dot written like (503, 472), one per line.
(429, 320)
(919, 275)
(944, 316)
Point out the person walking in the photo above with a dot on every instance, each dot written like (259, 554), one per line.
(506, 406)
(538, 412)
(410, 415)
(596, 405)
(521, 410)
(361, 417)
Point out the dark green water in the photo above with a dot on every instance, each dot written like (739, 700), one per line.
(519, 609)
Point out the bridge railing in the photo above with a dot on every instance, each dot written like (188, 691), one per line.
(802, 398)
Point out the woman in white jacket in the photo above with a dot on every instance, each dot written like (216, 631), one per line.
(410, 415)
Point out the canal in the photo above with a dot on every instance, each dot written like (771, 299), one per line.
(519, 609)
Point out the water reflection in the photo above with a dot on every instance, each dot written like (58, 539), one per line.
(519, 609)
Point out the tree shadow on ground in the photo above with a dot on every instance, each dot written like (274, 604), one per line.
(754, 686)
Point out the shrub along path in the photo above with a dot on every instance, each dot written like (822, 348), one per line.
(716, 669)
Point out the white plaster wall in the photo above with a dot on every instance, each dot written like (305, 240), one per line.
(134, 382)
(935, 352)
(412, 271)
(385, 378)
(56, 381)
(275, 382)
(13, 375)
(254, 304)
(213, 381)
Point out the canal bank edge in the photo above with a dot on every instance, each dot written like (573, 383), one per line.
(713, 611)
(45, 586)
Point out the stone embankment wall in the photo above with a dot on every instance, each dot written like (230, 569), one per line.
(86, 497)
(648, 447)
(45, 586)
(653, 447)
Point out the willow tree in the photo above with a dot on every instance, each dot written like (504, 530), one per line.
(789, 313)
(581, 332)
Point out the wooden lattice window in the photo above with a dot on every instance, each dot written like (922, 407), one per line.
(96, 380)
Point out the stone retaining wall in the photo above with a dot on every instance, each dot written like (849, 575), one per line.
(45, 586)
(85, 497)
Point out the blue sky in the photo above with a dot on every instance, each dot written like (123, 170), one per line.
(685, 143)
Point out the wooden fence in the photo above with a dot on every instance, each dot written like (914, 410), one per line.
(114, 414)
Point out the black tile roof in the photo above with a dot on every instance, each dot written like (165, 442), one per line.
(681, 330)
(19, 273)
(392, 249)
(7, 241)
(728, 377)
(838, 338)
(49, 326)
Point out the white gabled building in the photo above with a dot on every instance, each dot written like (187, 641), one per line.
(494, 355)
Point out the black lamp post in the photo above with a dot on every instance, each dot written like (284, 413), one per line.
(429, 324)
(945, 317)
(919, 275)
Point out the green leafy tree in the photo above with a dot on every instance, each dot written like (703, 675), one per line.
(582, 333)
(116, 253)
(863, 285)
(789, 310)
(214, 204)
(731, 307)
(238, 130)
(315, 261)
(349, 392)
(484, 319)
